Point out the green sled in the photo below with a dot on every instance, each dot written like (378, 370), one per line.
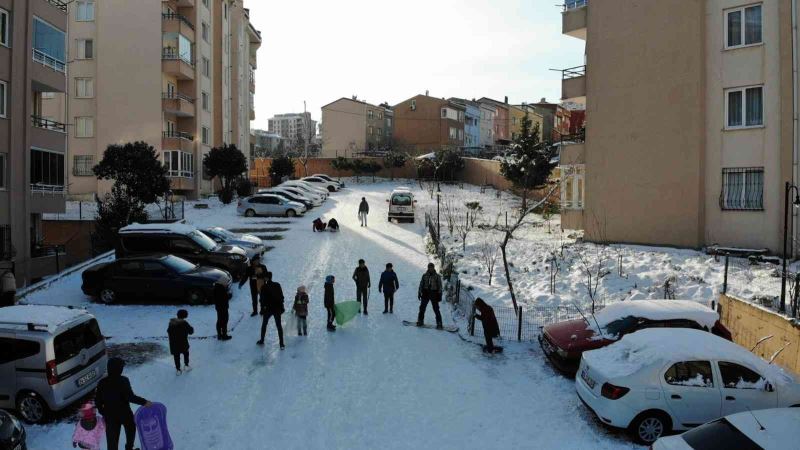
(345, 311)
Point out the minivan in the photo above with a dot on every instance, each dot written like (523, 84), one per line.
(50, 358)
(401, 204)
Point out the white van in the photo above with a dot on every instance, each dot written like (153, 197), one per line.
(401, 204)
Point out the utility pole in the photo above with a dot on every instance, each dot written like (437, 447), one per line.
(305, 132)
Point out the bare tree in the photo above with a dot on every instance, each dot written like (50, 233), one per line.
(463, 226)
(449, 211)
(593, 262)
(475, 209)
(487, 254)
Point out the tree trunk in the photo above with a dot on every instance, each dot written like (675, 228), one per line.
(508, 273)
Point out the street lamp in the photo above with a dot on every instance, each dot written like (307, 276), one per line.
(787, 190)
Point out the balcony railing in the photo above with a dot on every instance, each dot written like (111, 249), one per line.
(574, 4)
(58, 4)
(176, 96)
(573, 72)
(174, 16)
(48, 188)
(178, 135)
(47, 60)
(172, 53)
(47, 124)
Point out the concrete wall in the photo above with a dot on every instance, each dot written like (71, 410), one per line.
(260, 172)
(345, 128)
(74, 235)
(483, 171)
(749, 323)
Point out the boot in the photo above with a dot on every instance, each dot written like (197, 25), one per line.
(253, 314)
(420, 323)
(227, 337)
(260, 342)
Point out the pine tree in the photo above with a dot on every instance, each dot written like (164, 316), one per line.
(528, 165)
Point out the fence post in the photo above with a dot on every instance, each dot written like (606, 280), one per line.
(80, 210)
(472, 320)
(725, 278)
(519, 324)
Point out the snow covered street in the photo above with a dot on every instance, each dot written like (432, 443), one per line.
(374, 383)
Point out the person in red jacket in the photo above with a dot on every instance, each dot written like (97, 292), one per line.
(491, 329)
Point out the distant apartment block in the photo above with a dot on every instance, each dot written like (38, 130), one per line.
(353, 126)
(555, 120)
(472, 124)
(297, 128)
(501, 121)
(425, 124)
(267, 145)
(517, 114)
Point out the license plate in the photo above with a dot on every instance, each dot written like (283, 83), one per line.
(587, 379)
(89, 376)
(548, 348)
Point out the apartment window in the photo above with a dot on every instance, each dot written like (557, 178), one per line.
(82, 165)
(3, 97)
(84, 87)
(572, 186)
(744, 107)
(380, 115)
(413, 105)
(205, 31)
(444, 112)
(206, 66)
(85, 48)
(5, 21)
(47, 169)
(49, 45)
(743, 26)
(204, 133)
(179, 164)
(460, 135)
(369, 114)
(85, 10)
(205, 3)
(369, 131)
(84, 127)
(225, 10)
(453, 133)
(3, 171)
(170, 90)
(204, 97)
(743, 189)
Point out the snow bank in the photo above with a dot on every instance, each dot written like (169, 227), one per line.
(51, 316)
(658, 310)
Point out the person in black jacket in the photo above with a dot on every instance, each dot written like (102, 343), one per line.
(330, 303)
(178, 332)
(271, 306)
(222, 300)
(491, 329)
(255, 273)
(361, 278)
(363, 211)
(113, 398)
(388, 285)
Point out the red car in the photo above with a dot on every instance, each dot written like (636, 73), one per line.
(563, 343)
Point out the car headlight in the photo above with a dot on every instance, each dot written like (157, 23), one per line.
(237, 257)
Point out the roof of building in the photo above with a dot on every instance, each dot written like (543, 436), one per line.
(449, 102)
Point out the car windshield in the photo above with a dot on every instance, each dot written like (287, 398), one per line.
(202, 240)
(401, 200)
(718, 434)
(621, 326)
(219, 231)
(179, 265)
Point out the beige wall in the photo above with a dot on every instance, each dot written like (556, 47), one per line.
(345, 128)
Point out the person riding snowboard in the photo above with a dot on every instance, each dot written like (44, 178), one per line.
(113, 398)
(363, 211)
(330, 303)
(361, 277)
(271, 306)
(430, 290)
(388, 285)
(491, 329)
(255, 274)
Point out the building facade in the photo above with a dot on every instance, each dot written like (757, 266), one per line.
(424, 124)
(267, 145)
(354, 126)
(297, 128)
(501, 120)
(487, 119)
(472, 125)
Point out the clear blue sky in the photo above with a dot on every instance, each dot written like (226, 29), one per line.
(321, 50)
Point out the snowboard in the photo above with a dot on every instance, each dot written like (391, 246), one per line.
(451, 329)
(152, 425)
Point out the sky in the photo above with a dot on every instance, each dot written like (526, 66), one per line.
(318, 51)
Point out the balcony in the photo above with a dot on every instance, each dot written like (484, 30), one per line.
(177, 23)
(181, 183)
(177, 140)
(48, 74)
(178, 104)
(58, 4)
(573, 19)
(176, 64)
(573, 84)
(48, 199)
(48, 134)
(185, 3)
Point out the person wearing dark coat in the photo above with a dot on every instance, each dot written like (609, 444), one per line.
(178, 332)
(361, 277)
(222, 300)
(113, 398)
(333, 225)
(330, 303)
(271, 306)
(430, 290)
(318, 225)
(388, 285)
(491, 329)
(363, 211)
(255, 273)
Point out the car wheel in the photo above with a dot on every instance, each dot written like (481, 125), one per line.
(249, 213)
(290, 213)
(107, 295)
(195, 297)
(648, 426)
(331, 189)
(32, 407)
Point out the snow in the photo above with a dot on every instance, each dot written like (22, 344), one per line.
(49, 316)
(658, 310)
(780, 425)
(178, 227)
(698, 381)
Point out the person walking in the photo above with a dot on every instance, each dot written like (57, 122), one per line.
(330, 303)
(271, 306)
(178, 332)
(363, 211)
(361, 278)
(255, 273)
(388, 285)
(491, 329)
(222, 299)
(113, 398)
(430, 290)
(301, 310)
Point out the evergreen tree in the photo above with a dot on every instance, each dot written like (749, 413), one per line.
(282, 166)
(528, 165)
(228, 163)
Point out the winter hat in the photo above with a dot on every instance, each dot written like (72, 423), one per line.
(301, 289)
(87, 411)
(329, 279)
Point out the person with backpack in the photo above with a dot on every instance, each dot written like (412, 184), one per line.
(255, 273)
(361, 278)
(363, 211)
(90, 429)
(491, 329)
(222, 300)
(301, 310)
(178, 332)
(388, 285)
(113, 398)
(271, 306)
(330, 303)
(430, 291)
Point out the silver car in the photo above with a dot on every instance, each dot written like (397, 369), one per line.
(50, 357)
(269, 205)
(252, 245)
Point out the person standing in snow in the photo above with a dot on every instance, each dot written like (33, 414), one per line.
(363, 211)
(330, 303)
(222, 300)
(271, 306)
(89, 430)
(491, 329)
(388, 285)
(113, 398)
(255, 274)
(301, 309)
(361, 277)
(178, 332)
(430, 290)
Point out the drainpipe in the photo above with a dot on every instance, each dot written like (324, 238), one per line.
(795, 103)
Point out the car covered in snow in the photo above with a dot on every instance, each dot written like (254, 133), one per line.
(296, 194)
(252, 245)
(401, 204)
(564, 342)
(331, 186)
(328, 178)
(658, 380)
(153, 278)
(289, 196)
(308, 187)
(269, 205)
(763, 429)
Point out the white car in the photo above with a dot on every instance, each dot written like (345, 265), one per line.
(331, 186)
(269, 205)
(252, 245)
(770, 429)
(307, 186)
(301, 190)
(662, 379)
(329, 178)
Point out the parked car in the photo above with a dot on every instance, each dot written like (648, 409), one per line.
(657, 380)
(288, 196)
(401, 204)
(269, 205)
(181, 240)
(311, 187)
(166, 277)
(50, 357)
(564, 342)
(329, 178)
(12, 433)
(317, 200)
(331, 186)
(252, 245)
(769, 429)
(309, 191)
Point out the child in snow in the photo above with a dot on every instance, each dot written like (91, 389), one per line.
(333, 225)
(491, 329)
(178, 332)
(319, 225)
(329, 301)
(301, 309)
(89, 430)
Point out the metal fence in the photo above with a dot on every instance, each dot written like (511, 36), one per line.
(752, 276)
(161, 211)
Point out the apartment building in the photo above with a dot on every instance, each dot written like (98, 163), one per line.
(33, 149)
(354, 126)
(487, 124)
(689, 133)
(266, 144)
(517, 114)
(501, 120)
(297, 128)
(424, 124)
(555, 120)
(472, 126)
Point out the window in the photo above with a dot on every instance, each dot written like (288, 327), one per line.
(47, 169)
(460, 135)
(744, 107)
(70, 343)
(183, 245)
(82, 165)
(15, 349)
(206, 66)
(380, 115)
(735, 376)
(85, 48)
(204, 28)
(743, 26)
(205, 3)
(171, 90)
(84, 127)
(3, 96)
(2, 175)
(444, 112)
(572, 186)
(369, 130)
(179, 164)
(84, 87)
(85, 10)
(690, 373)
(204, 135)
(369, 114)
(204, 97)
(413, 105)
(49, 45)
(5, 22)
(742, 189)
(225, 10)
